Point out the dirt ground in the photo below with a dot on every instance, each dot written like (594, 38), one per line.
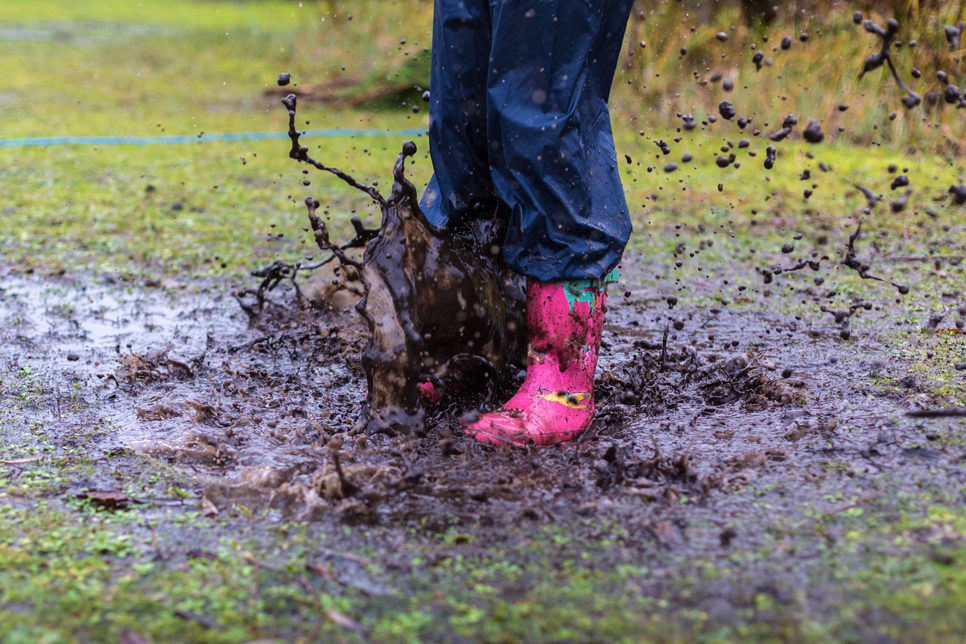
(261, 409)
(747, 438)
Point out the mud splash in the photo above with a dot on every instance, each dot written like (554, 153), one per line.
(441, 306)
(672, 416)
(268, 416)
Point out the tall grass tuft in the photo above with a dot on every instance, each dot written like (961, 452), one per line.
(811, 79)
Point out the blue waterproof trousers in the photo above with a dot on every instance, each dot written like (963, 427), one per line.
(518, 115)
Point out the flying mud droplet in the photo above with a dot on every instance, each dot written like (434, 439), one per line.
(851, 260)
(770, 155)
(884, 57)
(283, 79)
(899, 182)
(871, 198)
(953, 34)
(727, 110)
(813, 132)
(959, 193)
(757, 59)
(899, 205)
(780, 135)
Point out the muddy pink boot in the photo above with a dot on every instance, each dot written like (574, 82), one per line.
(556, 401)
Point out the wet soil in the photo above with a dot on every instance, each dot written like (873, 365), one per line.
(746, 431)
(265, 411)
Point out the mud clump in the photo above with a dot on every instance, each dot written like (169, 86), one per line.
(884, 57)
(441, 305)
(655, 381)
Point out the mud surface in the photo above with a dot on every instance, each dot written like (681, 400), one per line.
(742, 432)
(267, 413)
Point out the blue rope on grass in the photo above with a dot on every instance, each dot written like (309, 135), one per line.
(204, 138)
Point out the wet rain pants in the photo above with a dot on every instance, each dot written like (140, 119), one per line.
(518, 115)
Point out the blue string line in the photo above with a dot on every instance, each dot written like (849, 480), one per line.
(193, 138)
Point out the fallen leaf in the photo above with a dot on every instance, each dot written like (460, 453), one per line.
(106, 498)
(208, 508)
(346, 622)
(20, 461)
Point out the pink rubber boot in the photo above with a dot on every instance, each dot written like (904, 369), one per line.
(556, 401)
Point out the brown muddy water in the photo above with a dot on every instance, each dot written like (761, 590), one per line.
(265, 411)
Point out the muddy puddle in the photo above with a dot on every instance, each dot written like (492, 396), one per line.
(265, 411)
(295, 401)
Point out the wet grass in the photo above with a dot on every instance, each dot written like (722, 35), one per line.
(170, 67)
(161, 211)
(874, 567)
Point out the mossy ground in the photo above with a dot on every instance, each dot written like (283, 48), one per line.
(848, 565)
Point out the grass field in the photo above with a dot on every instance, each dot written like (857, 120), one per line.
(203, 214)
(166, 68)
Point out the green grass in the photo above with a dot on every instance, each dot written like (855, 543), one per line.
(63, 579)
(105, 68)
(244, 187)
(184, 75)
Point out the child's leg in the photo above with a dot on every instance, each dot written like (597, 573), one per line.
(457, 112)
(551, 149)
(553, 160)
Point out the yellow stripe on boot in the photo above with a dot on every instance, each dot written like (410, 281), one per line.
(572, 400)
